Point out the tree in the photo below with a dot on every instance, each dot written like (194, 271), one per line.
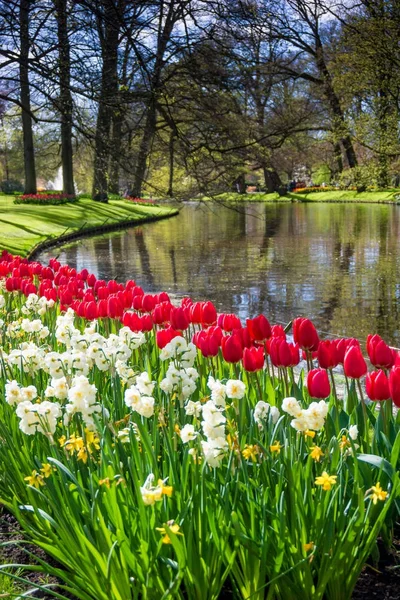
(29, 153)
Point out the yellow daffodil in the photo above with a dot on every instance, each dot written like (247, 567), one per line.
(83, 455)
(36, 479)
(326, 481)
(309, 433)
(177, 429)
(309, 546)
(378, 493)
(46, 470)
(250, 452)
(276, 447)
(316, 453)
(165, 489)
(92, 439)
(105, 482)
(344, 443)
(62, 440)
(74, 444)
(174, 527)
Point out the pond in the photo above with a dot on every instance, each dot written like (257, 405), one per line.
(337, 264)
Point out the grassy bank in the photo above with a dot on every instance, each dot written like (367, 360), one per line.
(23, 226)
(376, 197)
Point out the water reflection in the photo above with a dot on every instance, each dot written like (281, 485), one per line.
(336, 263)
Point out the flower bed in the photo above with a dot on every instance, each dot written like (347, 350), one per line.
(165, 451)
(45, 199)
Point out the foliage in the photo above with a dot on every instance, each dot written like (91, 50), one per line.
(10, 186)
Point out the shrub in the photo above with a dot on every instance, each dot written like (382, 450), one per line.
(10, 186)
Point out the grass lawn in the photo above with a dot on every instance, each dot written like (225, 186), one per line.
(336, 196)
(23, 226)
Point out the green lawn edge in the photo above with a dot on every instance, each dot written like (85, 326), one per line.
(26, 228)
(375, 197)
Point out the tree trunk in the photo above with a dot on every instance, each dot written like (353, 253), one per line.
(108, 93)
(117, 121)
(66, 105)
(240, 184)
(339, 123)
(29, 152)
(144, 150)
(170, 191)
(272, 180)
(338, 157)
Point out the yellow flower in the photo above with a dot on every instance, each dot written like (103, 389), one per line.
(74, 443)
(47, 470)
(36, 479)
(62, 440)
(177, 429)
(165, 489)
(105, 482)
(345, 443)
(174, 527)
(378, 493)
(276, 447)
(309, 433)
(327, 481)
(250, 452)
(316, 453)
(309, 546)
(83, 455)
(92, 438)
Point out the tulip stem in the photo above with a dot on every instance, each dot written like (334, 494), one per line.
(364, 408)
(334, 390)
(258, 385)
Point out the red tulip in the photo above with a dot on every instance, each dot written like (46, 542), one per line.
(377, 386)
(282, 353)
(229, 322)
(318, 383)
(305, 334)
(195, 312)
(114, 308)
(354, 364)
(342, 345)
(164, 336)
(380, 354)
(394, 385)
(207, 343)
(179, 318)
(259, 328)
(232, 349)
(253, 358)
(327, 355)
(90, 310)
(209, 314)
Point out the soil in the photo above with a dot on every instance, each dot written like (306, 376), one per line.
(381, 581)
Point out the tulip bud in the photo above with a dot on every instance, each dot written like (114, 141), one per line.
(327, 355)
(380, 354)
(318, 383)
(377, 386)
(253, 359)
(354, 364)
(394, 385)
(305, 334)
(232, 349)
(259, 328)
